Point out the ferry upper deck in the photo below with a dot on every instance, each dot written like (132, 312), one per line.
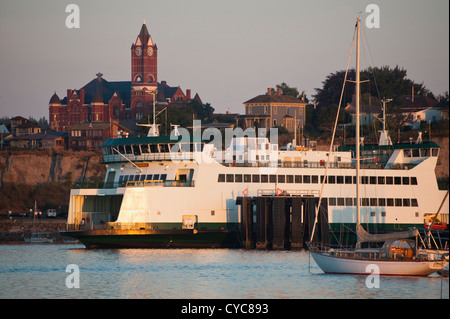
(262, 154)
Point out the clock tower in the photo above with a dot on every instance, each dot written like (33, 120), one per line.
(144, 74)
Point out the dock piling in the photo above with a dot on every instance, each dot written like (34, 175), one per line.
(281, 222)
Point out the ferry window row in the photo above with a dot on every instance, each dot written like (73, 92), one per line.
(142, 177)
(374, 202)
(139, 149)
(314, 179)
(422, 152)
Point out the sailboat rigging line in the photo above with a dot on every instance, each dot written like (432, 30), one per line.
(372, 62)
(114, 149)
(332, 137)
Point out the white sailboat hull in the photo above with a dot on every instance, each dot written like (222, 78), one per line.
(339, 265)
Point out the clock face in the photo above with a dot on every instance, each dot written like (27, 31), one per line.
(138, 51)
(150, 51)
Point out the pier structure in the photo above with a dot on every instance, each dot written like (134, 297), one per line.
(281, 222)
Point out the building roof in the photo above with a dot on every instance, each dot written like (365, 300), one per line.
(144, 35)
(4, 129)
(269, 98)
(18, 118)
(105, 90)
(101, 90)
(55, 99)
(165, 91)
(419, 102)
(98, 98)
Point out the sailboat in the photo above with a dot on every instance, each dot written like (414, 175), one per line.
(399, 255)
(38, 237)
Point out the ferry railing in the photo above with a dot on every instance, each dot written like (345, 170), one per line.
(287, 193)
(160, 183)
(308, 164)
(91, 185)
(189, 156)
(177, 156)
(144, 183)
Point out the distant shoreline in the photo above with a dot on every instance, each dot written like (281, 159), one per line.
(14, 231)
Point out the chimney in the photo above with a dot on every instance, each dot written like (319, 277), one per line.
(269, 91)
(188, 94)
(82, 96)
(164, 83)
(279, 91)
(412, 94)
(303, 96)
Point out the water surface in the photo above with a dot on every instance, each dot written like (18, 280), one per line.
(39, 271)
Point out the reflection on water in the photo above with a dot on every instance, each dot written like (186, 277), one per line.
(39, 271)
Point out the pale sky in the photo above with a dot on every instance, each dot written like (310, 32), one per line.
(227, 51)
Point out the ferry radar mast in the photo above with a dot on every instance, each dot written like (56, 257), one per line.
(154, 130)
(384, 134)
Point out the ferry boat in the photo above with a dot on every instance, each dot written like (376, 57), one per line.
(174, 192)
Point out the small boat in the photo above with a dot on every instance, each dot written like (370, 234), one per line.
(443, 272)
(437, 225)
(39, 238)
(398, 256)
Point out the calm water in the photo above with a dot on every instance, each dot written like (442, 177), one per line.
(39, 271)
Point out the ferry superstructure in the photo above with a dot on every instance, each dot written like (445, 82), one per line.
(162, 191)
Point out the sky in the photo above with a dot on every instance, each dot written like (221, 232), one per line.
(226, 51)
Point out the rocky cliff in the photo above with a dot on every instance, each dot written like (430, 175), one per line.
(45, 177)
(34, 167)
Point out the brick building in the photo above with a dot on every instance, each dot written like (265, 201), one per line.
(89, 136)
(103, 101)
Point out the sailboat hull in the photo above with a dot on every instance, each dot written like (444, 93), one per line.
(338, 265)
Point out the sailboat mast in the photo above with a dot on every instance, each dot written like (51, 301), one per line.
(357, 142)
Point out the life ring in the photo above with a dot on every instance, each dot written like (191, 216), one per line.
(399, 166)
(376, 159)
(88, 219)
(233, 164)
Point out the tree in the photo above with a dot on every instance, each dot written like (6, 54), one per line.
(287, 90)
(392, 83)
(43, 123)
(202, 112)
(383, 82)
(330, 92)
